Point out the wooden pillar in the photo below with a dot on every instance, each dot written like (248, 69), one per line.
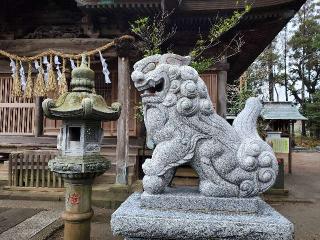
(38, 117)
(122, 152)
(291, 140)
(292, 129)
(222, 90)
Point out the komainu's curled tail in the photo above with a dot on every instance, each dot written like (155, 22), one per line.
(246, 122)
(254, 155)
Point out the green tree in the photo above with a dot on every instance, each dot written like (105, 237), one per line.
(304, 64)
(312, 112)
(264, 72)
(153, 32)
(305, 55)
(237, 96)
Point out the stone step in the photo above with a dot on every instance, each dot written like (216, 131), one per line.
(4, 166)
(111, 150)
(110, 178)
(184, 181)
(3, 176)
(184, 198)
(112, 169)
(113, 159)
(186, 171)
(13, 216)
(4, 171)
(32, 226)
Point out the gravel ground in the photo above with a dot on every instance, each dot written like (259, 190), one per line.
(304, 183)
(305, 217)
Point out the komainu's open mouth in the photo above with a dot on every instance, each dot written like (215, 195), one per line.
(153, 88)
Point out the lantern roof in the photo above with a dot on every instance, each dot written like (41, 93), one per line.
(82, 103)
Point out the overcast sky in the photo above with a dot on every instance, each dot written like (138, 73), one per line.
(279, 92)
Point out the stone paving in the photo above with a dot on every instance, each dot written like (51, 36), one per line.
(32, 227)
(10, 217)
(26, 219)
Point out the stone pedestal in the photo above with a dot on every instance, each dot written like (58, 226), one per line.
(185, 214)
(78, 212)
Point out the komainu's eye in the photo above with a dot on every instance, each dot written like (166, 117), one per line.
(149, 67)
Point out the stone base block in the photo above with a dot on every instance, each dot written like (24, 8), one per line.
(134, 222)
(188, 198)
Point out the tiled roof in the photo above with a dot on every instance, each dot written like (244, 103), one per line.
(281, 111)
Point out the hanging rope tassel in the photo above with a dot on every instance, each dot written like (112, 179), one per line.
(63, 85)
(16, 88)
(52, 81)
(73, 66)
(39, 86)
(29, 84)
(22, 77)
(105, 70)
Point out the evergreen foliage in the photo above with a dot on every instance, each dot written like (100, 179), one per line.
(312, 112)
(154, 32)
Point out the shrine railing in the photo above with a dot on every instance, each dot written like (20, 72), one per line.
(16, 114)
(30, 169)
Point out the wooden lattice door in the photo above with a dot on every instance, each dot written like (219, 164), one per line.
(16, 113)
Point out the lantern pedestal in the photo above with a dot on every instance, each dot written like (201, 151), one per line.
(78, 191)
(78, 211)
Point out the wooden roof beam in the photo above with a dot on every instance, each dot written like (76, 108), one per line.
(208, 5)
(118, 3)
(169, 5)
(31, 47)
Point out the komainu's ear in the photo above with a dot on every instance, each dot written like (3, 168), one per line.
(175, 59)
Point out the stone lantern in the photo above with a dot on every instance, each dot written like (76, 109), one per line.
(79, 142)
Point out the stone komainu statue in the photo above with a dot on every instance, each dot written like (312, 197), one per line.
(231, 161)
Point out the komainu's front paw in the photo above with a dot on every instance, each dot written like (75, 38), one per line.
(149, 168)
(153, 184)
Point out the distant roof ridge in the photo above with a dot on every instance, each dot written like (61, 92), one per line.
(285, 110)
